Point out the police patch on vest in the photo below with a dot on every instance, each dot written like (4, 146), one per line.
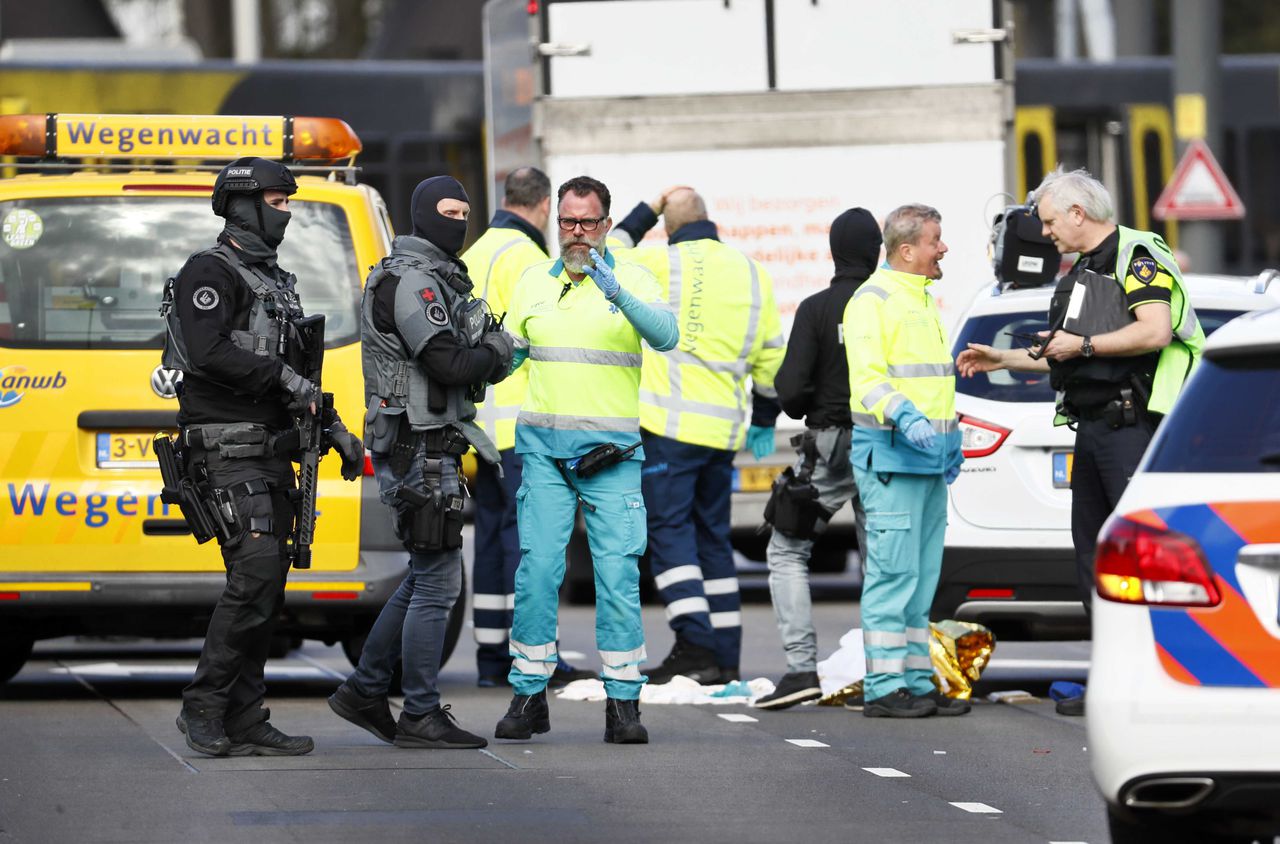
(1144, 269)
(206, 298)
(436, 314)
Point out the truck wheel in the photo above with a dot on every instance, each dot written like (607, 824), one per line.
(14, 652)
(353, 645)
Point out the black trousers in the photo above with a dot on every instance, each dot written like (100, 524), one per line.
(229, 677)
(1105, 459)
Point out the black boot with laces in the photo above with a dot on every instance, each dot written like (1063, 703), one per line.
(622, 722)
(527, 714)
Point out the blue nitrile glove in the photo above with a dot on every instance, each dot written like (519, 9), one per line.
(602, 275)
(921, 434)
(760, 441)
(952, 474)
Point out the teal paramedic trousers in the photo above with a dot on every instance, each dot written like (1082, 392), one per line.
(616, 534)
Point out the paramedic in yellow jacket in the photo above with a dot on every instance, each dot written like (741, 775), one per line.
(514, 241)
(694, 417)
(578, 324)
(905, 450)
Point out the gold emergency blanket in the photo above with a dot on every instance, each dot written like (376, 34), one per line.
(960, 650)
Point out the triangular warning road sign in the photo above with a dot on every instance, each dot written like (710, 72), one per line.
(1199, 190)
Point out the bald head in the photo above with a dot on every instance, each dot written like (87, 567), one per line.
(683, 206)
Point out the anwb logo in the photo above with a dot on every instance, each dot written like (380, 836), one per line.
(14, 384)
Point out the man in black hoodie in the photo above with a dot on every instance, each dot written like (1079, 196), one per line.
(813, 384)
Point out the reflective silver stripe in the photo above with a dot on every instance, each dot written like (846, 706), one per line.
(689, 406)
(679, 574)
(721, 620)
(919, 662)
(675, 387)
(733, 367)
(635, 655)
(1187, 328)
(753, 328)
(720, 586)
(921, 370)
(573, 354)
(567, 422)
(624, 672)
(873, 396)
(884, 639)
(767, 391)
(488, 274)
(918, 635)
(624, 239)
(490, 412)
(687, 606)
(520, 342)
(891, 407)
(491, 635)
(776, 342)
(945, 426)
(871, 290)
(882, 665)
(866, 420)
(538, 669)
(534, 652)
(482, 601)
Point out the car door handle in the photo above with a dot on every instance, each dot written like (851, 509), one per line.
(1261, 556)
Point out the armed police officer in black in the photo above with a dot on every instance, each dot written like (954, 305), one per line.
(429, 349)
(231, 316)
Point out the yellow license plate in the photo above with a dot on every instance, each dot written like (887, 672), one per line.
(125, 451)
(756, 478)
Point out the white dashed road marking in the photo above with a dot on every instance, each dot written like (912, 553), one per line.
(806, 742)
(978, 808)
(737, 718)
(886, 772)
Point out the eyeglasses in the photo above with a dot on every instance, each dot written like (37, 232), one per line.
(589, 224)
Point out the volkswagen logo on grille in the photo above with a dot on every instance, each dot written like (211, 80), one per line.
(165, 382)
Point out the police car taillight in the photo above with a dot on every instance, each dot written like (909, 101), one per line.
(1143, 564)
(978, 438)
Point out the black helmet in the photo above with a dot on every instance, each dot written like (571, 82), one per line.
(249, 176)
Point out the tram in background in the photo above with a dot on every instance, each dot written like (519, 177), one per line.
(1116, 120)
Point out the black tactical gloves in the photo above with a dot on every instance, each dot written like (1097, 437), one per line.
(302, 393)
(502, 343)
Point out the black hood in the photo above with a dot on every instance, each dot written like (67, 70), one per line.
(855, 245)
(428, 223)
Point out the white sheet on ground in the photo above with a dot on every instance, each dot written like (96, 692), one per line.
(678, 690)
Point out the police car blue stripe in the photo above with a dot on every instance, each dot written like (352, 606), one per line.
(1198, 652)
(1218, 539)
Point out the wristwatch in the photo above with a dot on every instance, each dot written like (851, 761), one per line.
(1086, 348)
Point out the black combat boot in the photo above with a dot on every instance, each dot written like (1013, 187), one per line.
(947, 705)
(899, 703)
(368, 713)
(262, 739)
(696, 663)
(527, 714)
(622, 722)
(204, 735)
(437, 729)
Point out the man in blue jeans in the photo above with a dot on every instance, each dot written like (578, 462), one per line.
(428, 349)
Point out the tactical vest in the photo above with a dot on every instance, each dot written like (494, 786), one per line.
(270, 333)
(426, 304)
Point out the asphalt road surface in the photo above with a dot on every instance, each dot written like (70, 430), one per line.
(89, 753)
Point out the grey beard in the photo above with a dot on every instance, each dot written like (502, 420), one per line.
(574, 264)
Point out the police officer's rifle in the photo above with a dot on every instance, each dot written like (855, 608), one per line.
(311, 439)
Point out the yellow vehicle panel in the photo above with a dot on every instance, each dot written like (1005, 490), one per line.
(61, 508)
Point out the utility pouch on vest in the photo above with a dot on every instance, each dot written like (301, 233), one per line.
(194, 497)
(600, 458)
(793, 507)
(431, 520)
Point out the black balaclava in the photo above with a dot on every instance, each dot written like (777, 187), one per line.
(855, 245)
(429, 223)
(257, 227)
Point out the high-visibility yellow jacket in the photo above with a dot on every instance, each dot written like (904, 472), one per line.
(900, 370)
(583, 355)
(495, 263)
(729, 329)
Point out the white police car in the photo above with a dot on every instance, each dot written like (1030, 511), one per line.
(1009, 559)
(1184, 689)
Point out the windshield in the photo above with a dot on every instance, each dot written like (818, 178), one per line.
(998, 329)
(1227, 420)
(89, 272)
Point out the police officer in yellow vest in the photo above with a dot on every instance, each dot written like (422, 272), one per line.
(905, 450)
(513, 242)
(1123, 339)
(578, 325)
(694, 417)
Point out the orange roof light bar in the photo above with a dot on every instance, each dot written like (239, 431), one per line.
(217, 136)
